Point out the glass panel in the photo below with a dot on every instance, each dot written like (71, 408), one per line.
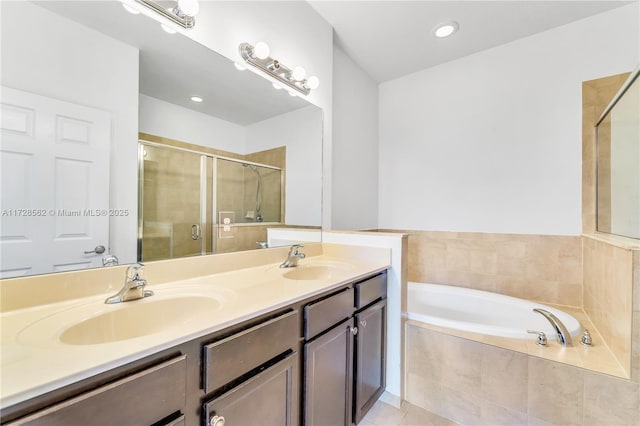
(248, 200)
(171, 203)
(618, 162)
(252, 192)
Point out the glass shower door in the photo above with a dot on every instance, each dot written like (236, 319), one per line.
(172, 203)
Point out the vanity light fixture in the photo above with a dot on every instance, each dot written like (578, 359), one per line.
(445, 29)
(182, 13)
(258, 56)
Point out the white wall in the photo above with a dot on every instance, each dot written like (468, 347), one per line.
(172, 121)
(492, 142)
(355, 146)
(300, 131)
(46, 54)
(297, 35)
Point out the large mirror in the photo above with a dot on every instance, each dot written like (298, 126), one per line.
(105, 154)
(618, 163)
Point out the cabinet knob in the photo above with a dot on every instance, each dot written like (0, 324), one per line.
(363, 323)
(216, 421)
(354, 330)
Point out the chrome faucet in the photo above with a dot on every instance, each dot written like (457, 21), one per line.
(293, 257)
(562, 334)
(133, 286)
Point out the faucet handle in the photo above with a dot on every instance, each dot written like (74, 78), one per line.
(542, 338)
(295, 248)
(134, 271)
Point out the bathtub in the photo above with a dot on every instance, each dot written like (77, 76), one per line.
(481, 312)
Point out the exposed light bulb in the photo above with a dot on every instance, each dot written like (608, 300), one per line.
(197, 99)
(168, 29)
(313, 82)
(446, 29)
(277, 86)
(261, 50)
(298, 73)
(238, 66)
(132, 10)
(189, 7)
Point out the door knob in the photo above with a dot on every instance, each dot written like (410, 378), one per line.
(97, 250)
(354, 330)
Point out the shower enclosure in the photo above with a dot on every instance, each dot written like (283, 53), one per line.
(193, 203)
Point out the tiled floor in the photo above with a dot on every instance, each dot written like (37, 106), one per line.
(382, 414)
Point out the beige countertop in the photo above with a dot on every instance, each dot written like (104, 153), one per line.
(35, 361)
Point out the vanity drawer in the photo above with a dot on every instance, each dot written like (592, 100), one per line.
(371, 290)
(326, 313)
(230, 358)
(145, 397)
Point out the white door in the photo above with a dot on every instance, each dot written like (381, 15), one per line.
(54, 183)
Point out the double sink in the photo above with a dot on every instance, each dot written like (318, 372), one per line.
(174, 306)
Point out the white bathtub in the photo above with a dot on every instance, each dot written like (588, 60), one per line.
(481, 312)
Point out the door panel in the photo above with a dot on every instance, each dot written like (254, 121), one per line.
(370, 358)
(55, 184)
(328, 385)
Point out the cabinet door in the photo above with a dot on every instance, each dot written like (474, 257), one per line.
(328, 383)
(370, 358)
(267, 399)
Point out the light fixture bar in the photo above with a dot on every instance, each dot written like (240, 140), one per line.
(273, 68)
(174, 15)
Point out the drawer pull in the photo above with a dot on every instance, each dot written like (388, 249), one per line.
(216, 421)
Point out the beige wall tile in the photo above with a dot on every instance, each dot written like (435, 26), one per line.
(548, 268)
(556, 392)
(424, 393)
(492, 414)
(461, 362)
(610, 401)
(461, 407)
(504, 378)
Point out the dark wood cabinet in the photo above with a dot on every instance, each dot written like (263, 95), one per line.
(370, 360)
(144, 398)
(269, 398)
(344, 364)
(328, 364)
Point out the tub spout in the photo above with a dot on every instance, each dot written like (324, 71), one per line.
(563, 335)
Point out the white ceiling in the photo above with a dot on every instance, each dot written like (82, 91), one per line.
(174, 67)
(389, 39)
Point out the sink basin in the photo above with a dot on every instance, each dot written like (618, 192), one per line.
(97, 323)
(316, 272)
(137, 320)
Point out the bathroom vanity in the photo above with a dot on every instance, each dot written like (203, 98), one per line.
(318, 359)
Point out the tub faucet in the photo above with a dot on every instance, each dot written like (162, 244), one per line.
(293, 257)
(133, 287)
(562, 334)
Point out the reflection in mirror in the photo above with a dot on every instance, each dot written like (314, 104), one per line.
(618, 163)
(97, 86)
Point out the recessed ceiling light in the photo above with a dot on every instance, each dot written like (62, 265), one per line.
(197, 99)
(445, 29)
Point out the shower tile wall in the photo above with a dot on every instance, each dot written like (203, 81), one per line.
(608, 295)
(474, 383)
(542, 268)
(272, 202)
